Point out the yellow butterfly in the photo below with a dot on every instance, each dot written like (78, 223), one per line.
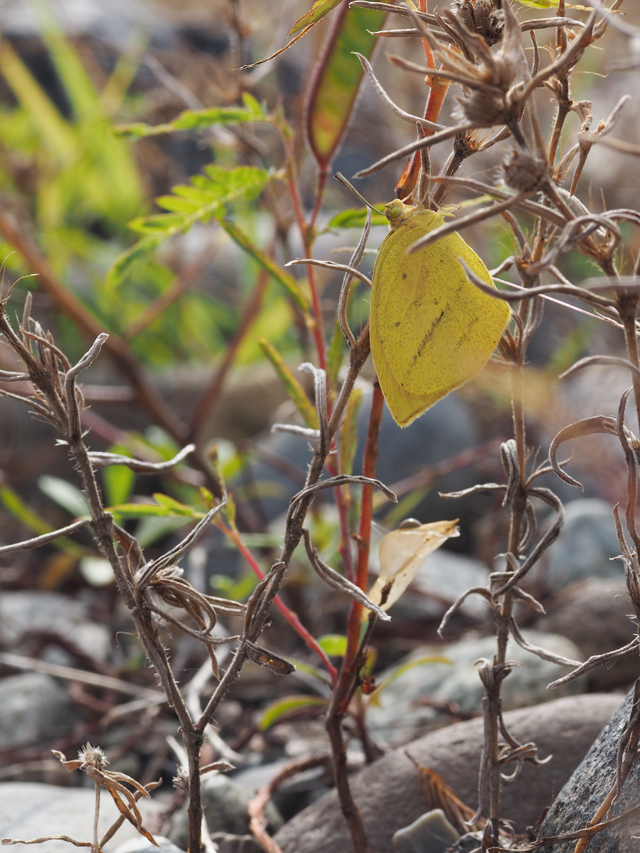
(431, 328)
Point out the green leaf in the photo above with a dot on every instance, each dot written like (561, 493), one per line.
(18, 509)
(150, 530)
(349, 432)
(126, 261)
(176, 507)
(317, 12)
(294, 389)
(335, 645)
(204, 198)
(355, 217)
(279, 275)
(335, 355)
(64, 494)
(336, 82)
(197, 119)
(118, 479)
(283, 707)
(165, 507)
(235, 590)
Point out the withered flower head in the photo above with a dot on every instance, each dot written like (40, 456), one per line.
(524, 171)
(92, 756)
(491, 79)
(483, 17)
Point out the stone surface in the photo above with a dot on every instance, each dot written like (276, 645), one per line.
(445, 430)
(33, 707)
(441, 579)
(430, 833)
(584, 548)
(578, 801)
(388, 793)
(467, 842)
(398, 715)
(30, 810)
(601, 603)
(225, 805)
(34, 610)
(141, 845)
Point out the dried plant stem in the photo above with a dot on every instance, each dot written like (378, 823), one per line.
(289, 615)
(74, 309)
(349, 670)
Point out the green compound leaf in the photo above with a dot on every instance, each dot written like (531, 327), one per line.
(197, 120)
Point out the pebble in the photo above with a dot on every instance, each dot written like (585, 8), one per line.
(584, 548)
(430, 833)
(34, 707)
(441, 579)
(397, 716)
(579, 799)
(388, 792)
(52, 612)
(604, 603)
(441, 433)
(30, 810)
(225, 805)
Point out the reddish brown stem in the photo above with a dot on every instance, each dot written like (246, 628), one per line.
(92, 327)
(348, 671)
(211, 393)
(288, 614)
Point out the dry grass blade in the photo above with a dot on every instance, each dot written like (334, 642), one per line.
(439, 795)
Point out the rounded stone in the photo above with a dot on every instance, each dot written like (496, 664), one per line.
(388, 792)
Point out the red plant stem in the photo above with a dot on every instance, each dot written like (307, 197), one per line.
(316, 326)
(288, 614)
(348, 672)
(211, 394)
(364, 533)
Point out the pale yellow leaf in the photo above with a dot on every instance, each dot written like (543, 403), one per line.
(402, 553)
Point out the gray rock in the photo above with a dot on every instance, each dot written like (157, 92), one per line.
(442, 432)
(467, 842)
(141, 845)
(21, 612)
(225, 805)
(397, 716)
(441, 579)
(578, 801)
(30, 810)
(33, 707)
(388, 792)
(84, 17)
(601, 603)
(584, 548)
(430, 833)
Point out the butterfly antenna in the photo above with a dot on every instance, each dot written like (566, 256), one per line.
(340, 177)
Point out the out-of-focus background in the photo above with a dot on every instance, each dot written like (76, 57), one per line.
(191, 313)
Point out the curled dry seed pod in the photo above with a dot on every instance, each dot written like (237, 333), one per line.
(523, 171)
(264, 657)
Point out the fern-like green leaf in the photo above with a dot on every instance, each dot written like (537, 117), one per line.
(205, 197)
(197, 120)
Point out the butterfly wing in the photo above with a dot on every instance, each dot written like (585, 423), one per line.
(431, 329)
